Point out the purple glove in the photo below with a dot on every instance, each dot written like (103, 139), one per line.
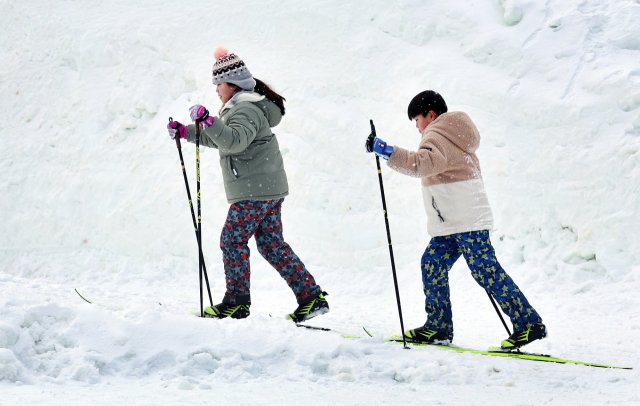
(200, 113)
(176, 128)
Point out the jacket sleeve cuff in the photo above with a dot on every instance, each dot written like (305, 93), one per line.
(398, 158)
(208, 136)
(215, 129)
(191, 133)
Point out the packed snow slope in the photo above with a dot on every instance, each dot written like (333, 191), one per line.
(92, 197)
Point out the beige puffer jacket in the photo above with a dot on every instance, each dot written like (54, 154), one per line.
(452, 186)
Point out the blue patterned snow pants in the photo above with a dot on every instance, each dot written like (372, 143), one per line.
(260, 218)
(476, 247)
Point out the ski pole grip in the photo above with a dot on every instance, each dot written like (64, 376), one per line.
(178, 137)
(371, 138)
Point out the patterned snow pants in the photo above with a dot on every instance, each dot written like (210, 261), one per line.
(260, 218)
(476, 247)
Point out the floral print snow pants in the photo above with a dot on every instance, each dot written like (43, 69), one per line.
(476, 247)
(260, 218)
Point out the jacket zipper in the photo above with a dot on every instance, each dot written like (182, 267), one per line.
(231, 168)
(435, 206)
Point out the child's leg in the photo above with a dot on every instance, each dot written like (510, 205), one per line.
(279, 254)
(437, 260)
(242, 221)
(486, 270)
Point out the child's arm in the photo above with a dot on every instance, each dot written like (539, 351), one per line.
(429, 160)
(231, 137)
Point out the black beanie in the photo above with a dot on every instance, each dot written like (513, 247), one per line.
(426, 101)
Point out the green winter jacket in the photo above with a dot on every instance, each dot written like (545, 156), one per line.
(250, 158)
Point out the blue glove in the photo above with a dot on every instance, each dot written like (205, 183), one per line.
(381, 149)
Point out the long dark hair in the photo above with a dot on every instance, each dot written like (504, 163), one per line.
(264, 90)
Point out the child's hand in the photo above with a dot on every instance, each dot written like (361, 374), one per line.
(201, 114)
(177, 130)
(368, 146)
(198, 112)
(382, 149)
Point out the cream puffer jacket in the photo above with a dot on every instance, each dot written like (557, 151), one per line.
(452, 186)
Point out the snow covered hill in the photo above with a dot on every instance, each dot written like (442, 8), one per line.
(92, 197)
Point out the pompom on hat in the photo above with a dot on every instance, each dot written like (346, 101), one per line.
(220, 52)
(231, 69)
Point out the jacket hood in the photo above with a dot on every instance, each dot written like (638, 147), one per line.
(458, 128)
(269, 108)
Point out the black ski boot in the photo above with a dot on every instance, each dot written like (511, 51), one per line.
(222, 310)
(314, 308)
(519, 338)
(424, 335)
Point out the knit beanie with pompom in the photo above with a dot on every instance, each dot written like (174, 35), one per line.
(231, 69)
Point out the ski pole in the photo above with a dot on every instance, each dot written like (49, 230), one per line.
(193, 216)
(386, 222)
(199, 215)
(495, 306)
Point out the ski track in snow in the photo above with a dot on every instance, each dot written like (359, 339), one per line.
(92, 197)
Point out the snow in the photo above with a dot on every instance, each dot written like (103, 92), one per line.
(92, 197)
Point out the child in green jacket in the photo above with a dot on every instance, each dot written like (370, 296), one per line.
(255, 184)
